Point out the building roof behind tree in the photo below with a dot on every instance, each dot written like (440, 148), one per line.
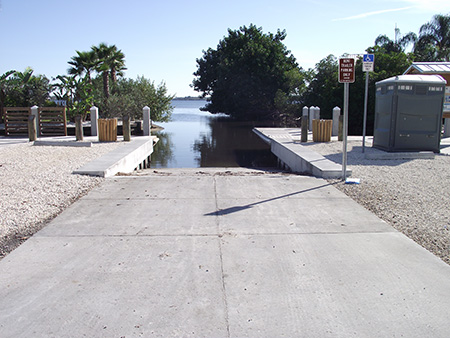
(428, 68)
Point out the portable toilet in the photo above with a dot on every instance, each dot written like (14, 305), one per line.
(408, 113)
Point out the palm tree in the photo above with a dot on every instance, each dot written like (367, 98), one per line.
(434, 40)
(23, 77)
(111, 61)
(117, 64)
(83, 64)
(64, 89)
(398, 45)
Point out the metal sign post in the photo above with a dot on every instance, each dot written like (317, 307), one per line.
(368, 61)
(346, 76)
(345, 131)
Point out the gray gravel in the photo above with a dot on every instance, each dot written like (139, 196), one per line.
(411, 195)
(37, 183)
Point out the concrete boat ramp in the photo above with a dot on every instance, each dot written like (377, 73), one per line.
(123, 159)
(285, 144)
(221, 253)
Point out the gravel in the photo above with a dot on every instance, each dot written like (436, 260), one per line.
(36, 184)
(411, 195)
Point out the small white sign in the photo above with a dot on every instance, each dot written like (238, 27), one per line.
(368, 61)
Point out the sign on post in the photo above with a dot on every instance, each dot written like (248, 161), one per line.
(346, 70)
(346, 76)
(368, 61)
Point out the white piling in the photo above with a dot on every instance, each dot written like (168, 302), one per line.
(311, 117)
(317, 113)
(35, 112)
(146, 121)
(336, 114)
(94, 121)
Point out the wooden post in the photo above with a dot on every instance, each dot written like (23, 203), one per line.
(78, 128)
(304, 134)
(32, 128)
(341, 123)
(126, 128)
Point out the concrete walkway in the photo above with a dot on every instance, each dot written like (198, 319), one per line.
(221, 253)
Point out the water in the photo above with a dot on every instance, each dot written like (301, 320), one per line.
(195, 139)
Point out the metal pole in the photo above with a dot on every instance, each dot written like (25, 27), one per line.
(345, 132)
(365, 112)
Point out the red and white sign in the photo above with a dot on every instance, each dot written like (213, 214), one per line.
(346, 70)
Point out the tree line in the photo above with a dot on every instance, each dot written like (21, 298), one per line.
(252, 75)
(94, 78)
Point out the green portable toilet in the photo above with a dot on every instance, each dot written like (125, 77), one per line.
(408, 113)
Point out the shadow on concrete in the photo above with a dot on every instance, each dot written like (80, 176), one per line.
(234, 209)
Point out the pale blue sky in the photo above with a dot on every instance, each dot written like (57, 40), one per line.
(162, 39)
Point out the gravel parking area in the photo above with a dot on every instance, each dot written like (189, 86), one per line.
(36, 184)
(411, 195)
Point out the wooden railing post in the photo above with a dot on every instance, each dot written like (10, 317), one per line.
(126, 128)
(32, 128)
(78, 128)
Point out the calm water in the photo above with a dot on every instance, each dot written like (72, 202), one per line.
(195, 139)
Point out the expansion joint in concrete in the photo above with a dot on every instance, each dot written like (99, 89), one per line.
(224, 289)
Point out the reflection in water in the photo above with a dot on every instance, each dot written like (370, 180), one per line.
(196, 139)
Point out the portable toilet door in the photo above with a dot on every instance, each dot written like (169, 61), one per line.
(408, 113)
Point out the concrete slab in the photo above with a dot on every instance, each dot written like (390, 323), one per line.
(296, 216)
(383, 155)
(137, 217)
(123, 159)
(11, 140)
(361, 285)
(171, 186)
(63, 143)
(113, 287)
(221, 254)
(287, 186)
(284, 145)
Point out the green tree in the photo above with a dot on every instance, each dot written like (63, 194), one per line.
(246, 72)
(111, 62)
(130, 96)
(3, 89)
(400, 43)
(83, 64)
(324, 89)
(434, 40)
(23, 89)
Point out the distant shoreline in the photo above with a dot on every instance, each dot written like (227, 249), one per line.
(189, 98)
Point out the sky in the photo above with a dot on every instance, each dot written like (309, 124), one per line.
(162, 39)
